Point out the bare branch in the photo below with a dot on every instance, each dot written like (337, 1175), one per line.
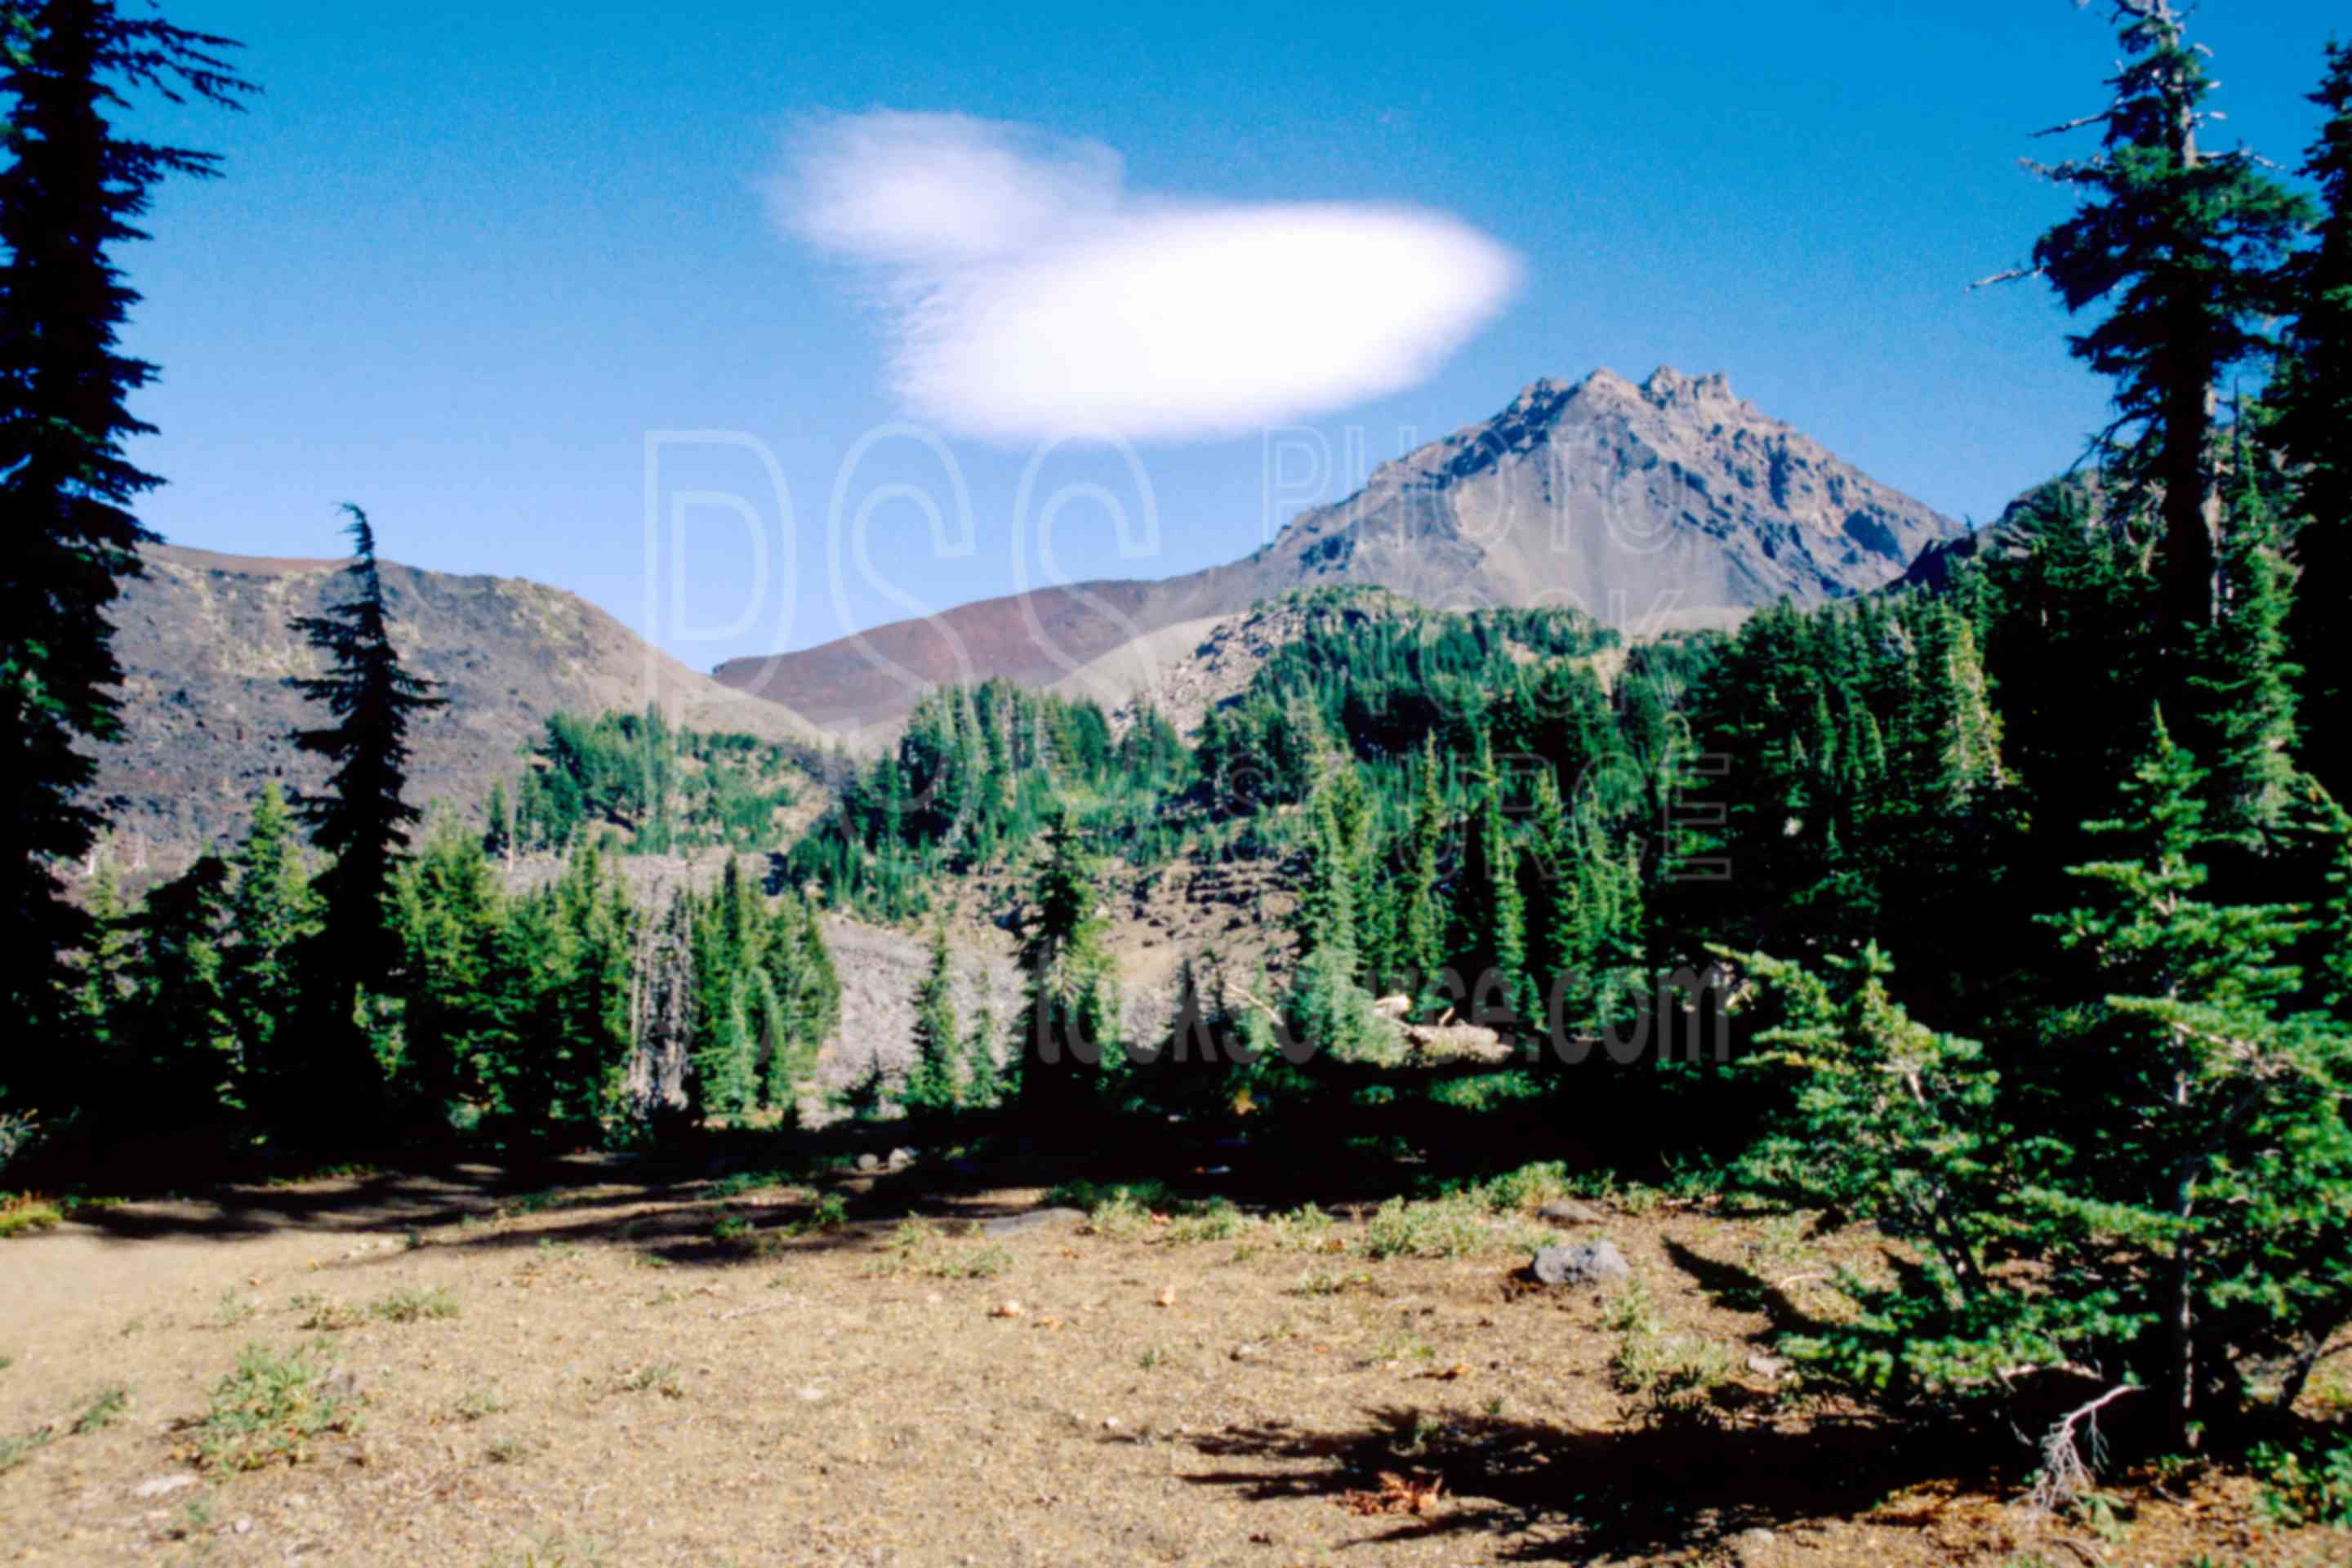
(2065, 1475)
(2010, 276)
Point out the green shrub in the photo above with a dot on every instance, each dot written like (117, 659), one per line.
(273, 1408)
(22, 1214)
(2307, 1482)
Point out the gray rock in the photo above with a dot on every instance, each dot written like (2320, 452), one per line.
(1036, 1219)
(870, 1163)
(162, 1486)
(1767, 1365)
(1586, 1263)
(901, 1158)
(1568, 1211)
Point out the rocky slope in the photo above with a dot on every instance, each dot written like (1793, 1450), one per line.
(1665, 504)
(207, 651)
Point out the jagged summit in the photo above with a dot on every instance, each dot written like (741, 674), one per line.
(1670, 502)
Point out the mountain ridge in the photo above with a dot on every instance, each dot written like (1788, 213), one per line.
(1667, 503)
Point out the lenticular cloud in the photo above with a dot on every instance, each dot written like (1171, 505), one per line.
(1029, 294)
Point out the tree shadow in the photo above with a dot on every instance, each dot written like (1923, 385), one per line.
(1575, 1495)
(1743, 1290)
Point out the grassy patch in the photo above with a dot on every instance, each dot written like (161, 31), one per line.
(918, 1248)
(104, 1410)
(411, 1304)
(15, 1451)
(1462, 1226)
(23, 1214)
(1672, 1377)
(1331, 1282)
(273, 1408)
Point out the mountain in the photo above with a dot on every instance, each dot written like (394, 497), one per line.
(207, 650)
(1672, 504)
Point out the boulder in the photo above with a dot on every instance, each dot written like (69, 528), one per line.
(1586, 1263)
(1568, 1211)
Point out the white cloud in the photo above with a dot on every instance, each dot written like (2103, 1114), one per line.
(1029, 294)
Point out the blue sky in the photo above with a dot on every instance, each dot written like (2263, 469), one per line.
(465, 258)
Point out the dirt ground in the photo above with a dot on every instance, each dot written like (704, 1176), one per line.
(613, 1372)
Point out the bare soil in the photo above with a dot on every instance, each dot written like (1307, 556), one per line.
(621, 1385)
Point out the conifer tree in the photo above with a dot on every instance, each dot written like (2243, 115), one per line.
(2313, 401)
(1070, 1032)
(271, 915)
(1422, 922)
(931, 1077)
(363, 819)
(179, 1054)
(2226, 1161)
(2243, 688)
(1491, 921)
(2179, 243)
(980, 1077)
(72, 194)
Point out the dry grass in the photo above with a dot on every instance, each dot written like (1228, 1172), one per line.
(1207, 1385)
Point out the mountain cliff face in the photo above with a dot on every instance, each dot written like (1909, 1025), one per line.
(1670, 503)
(207, 650)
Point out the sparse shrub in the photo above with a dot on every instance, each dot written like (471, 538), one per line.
(233, 1308)
(15, 1451)
(105, 1408)
(413, 1304)
(480, 1405)
(969, 1263)
(1674, 1377)
(273, 1408)
(829, 1212)
(1303, 1229)
(661, 1378)
(21, 1214)
(324, 1314)
(1216, 1220)
(1331, 1282)
(1457, 1226)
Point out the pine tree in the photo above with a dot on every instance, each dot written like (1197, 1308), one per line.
(931, 1079)
(2179, 243)
(72, 192)
(2312, 398)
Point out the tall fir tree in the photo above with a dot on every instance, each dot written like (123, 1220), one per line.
(2312, 399)
(2243, 691)
(271, 915)
(362, 820)
(2180, 243)
(1070, 1031)
(72, 194)
(932, 1076)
